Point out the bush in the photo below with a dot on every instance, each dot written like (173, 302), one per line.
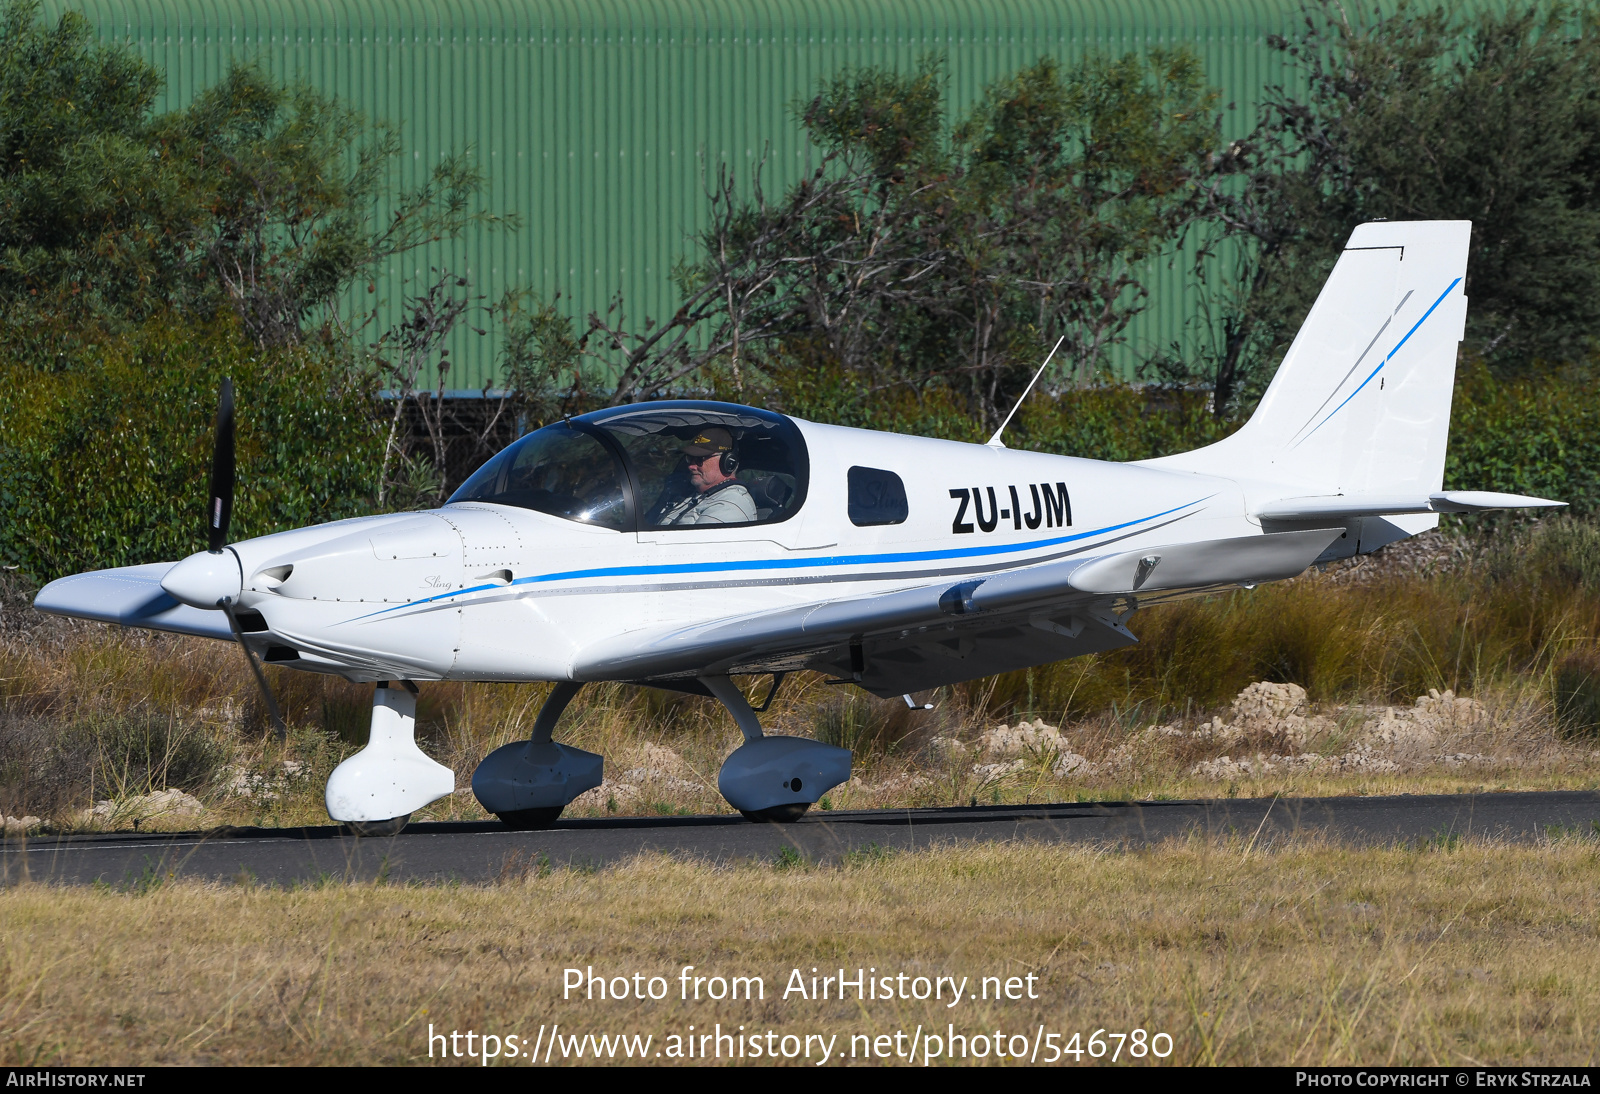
(1577, 687)
(865, 725)
(1536, 435)
(1118, 422)
(1510, 612)
(48, 769)
(105, 446)
(1102, 422)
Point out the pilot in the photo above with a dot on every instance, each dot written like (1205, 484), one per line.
(719, 498)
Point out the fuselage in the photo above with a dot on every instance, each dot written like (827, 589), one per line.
(491, 591)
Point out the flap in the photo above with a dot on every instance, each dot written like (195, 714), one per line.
(1244, 561)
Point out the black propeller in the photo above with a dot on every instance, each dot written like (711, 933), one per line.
(219, 513)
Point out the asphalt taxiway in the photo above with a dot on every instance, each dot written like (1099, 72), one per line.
(479, 852)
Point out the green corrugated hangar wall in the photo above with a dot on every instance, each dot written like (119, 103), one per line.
(596, 121)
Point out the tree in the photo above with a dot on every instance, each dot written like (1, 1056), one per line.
(143, 256)
(920, 253)
(256, 197)
(279, 185)
(1433, 114)
(1074, 183)
(81, 199)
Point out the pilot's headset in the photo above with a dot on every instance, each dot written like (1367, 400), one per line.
(727, 458)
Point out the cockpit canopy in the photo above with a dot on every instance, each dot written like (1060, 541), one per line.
(629, 468)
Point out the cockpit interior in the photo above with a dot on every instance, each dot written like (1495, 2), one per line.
(653, 465)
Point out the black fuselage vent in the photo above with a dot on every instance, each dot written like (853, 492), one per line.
(251, 622)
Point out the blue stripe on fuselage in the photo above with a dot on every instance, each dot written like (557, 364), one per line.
(786, 563)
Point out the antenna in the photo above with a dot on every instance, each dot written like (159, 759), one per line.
(995, 441)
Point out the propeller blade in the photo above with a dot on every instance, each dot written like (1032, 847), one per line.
(261, 677)
(219, 512)
(219, 509)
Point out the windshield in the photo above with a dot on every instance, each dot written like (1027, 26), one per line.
(561, 470)
(696, 466)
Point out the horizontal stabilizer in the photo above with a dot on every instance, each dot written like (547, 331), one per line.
(1339, 506)
(131, 596)
(1481, 501)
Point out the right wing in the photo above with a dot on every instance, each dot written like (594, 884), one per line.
(943, 633)
(131, 596)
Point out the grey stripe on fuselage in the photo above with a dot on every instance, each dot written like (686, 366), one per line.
(760, 582)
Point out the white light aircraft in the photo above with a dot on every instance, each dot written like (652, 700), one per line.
(681, 544)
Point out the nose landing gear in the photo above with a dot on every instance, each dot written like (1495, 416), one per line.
(375, 791)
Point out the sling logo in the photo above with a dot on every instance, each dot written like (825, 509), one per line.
(1051, 507)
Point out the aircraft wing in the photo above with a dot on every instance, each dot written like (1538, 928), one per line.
(131, 596)
(944, 632)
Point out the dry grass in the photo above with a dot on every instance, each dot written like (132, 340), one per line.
(1513, 619)
(662, 752)
(1304, 953)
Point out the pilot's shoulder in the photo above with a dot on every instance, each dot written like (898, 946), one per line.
(738, 494)
(732, 502)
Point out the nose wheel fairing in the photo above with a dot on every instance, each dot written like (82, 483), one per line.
(390, 778)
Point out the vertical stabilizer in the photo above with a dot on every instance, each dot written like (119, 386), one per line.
(1361, 403)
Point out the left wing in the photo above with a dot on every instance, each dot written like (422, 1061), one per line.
(944, 633)
(131, 596)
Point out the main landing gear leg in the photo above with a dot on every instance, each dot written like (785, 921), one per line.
(528, 783)
(375, 791)
(773, 778)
